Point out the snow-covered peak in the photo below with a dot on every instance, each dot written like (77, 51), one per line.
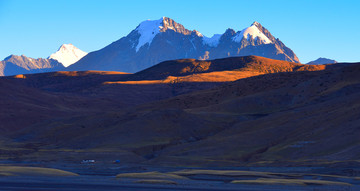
(148, 30)
(252, 32)
(213, 41)
(68, 54)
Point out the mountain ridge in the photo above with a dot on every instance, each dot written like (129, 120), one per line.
(152, 42)
(13, 65)
(66, 55)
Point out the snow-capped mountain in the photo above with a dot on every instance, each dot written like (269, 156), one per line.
(252, 32)
(155, 41)
(322, 61)
(68, 54)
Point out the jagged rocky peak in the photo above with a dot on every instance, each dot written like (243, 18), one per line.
(13, 57)
(150, 28)
(14, 64)
(255, 23)
(169, 24)
(253, 32)
(161, 25)
(264, 31)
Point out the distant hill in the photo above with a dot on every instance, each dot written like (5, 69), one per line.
(322, 61)
(218, 69)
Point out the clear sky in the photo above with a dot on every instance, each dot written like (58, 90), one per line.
(311, 28)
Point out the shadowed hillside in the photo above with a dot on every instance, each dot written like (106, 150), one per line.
(291, 117)
(301, 118)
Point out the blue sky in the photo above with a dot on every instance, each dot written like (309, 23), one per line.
(311, 28)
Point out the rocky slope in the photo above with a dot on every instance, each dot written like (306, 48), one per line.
(164, 39)
(14, 65)
(65, 56)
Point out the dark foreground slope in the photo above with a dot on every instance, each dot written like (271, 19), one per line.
(292, 119)
(300, 117)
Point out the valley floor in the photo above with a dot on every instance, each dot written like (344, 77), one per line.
(110, 183)
(138, 178)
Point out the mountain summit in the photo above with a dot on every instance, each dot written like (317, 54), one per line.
(68, 54)
(149, 29)
(154, 41)
(254, 33)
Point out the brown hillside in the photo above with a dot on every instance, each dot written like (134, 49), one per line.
(187, 67)
(278, 118)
